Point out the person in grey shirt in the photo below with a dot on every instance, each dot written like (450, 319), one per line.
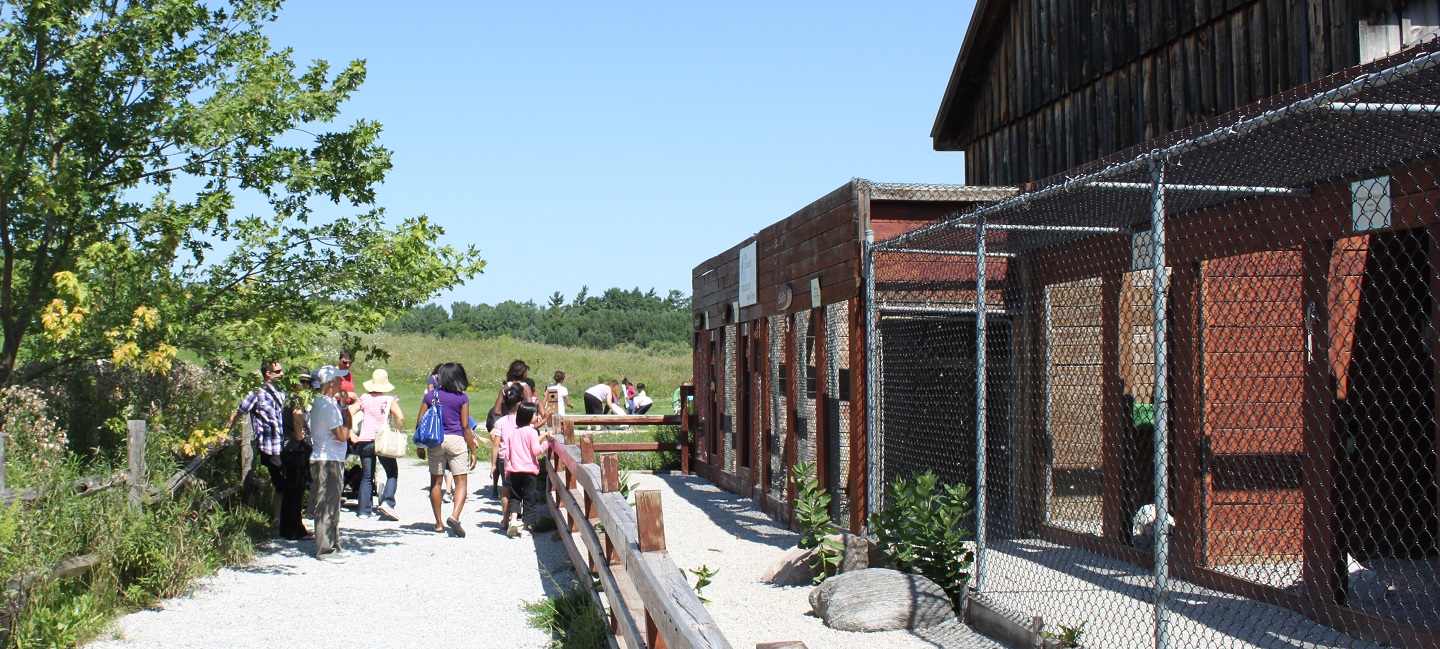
(330, 430)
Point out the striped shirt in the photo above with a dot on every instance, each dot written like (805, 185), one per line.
(264, 407)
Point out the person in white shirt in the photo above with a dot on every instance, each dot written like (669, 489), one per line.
(330, 430)
(642, 400)
(562, 393)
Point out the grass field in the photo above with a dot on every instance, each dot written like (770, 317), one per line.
(412, 357)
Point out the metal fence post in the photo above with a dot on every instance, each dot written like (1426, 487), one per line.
(2, 462)
(1162, 436)
(980, 370)
(135, 450)
(875, 489)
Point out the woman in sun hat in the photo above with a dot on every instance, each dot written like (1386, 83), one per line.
(380, 409)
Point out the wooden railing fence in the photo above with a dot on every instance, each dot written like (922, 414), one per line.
(136, 476)
(648, 600)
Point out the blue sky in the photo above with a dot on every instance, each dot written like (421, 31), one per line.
(622, 143)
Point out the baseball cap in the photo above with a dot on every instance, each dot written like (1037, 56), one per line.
(325, 375)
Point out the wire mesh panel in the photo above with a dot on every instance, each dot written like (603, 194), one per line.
(1073, 404)
(727, 443)
(779, 405)
(837, 389)
(1212, 413)
(805, 387)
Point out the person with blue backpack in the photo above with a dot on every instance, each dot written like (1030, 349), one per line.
(446, 411)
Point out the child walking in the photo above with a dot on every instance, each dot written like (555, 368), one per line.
(523, 447)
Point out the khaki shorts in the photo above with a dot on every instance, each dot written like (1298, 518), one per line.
(451, 454)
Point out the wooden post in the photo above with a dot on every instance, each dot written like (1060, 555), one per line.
(567, 429)
(609, 473)
(1322, 565)
(2, 462)
(821, 434)
(687, 427)
(247, 458)
(859, 477)
(793, 392)
(763, 432)
(587, 449)
(650, 521)
(610, 483)
(135, 450)
(652, 633)
(1187, 432)
(1114, 416)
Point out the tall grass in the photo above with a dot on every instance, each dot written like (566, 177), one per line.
(412, 357)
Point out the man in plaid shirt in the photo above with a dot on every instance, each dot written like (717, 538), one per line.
(265, 406)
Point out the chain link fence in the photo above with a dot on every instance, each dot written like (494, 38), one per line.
(1208, 377)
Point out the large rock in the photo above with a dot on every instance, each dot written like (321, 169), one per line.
(878, 599)
(856, 555)
(790, 569)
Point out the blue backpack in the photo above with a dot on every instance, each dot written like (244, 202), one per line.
(430, 430)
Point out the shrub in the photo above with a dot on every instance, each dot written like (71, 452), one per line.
(34, 441)
(922, 531)
(572, 620)
(812, 511)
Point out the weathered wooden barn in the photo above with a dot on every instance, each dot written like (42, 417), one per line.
(780, 343)
(1304, 372)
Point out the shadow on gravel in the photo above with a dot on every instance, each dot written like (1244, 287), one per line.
(735, 515)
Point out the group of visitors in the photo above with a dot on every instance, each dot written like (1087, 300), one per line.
(306, 447)
(621, 398)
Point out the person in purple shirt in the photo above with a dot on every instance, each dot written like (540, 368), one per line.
(457, 451)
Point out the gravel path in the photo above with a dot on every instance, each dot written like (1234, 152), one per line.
(707, 525)
(471, 588)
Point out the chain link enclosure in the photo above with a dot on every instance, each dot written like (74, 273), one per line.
(1207, 392)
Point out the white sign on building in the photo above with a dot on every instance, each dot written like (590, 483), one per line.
(747, 275)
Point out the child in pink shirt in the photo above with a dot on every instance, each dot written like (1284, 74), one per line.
(523, 447)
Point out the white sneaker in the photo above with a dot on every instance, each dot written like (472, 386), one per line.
(514, 530)
(387, 513)
(336, 556)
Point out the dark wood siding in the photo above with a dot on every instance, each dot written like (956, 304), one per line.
(1067, 83)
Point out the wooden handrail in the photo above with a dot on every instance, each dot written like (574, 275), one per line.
(673, 616)
(623, 420)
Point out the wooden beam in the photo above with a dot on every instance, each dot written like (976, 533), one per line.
(793, 392)
(765, 432)
(247, 458)
(1186, 414)
(859, 477)
(135, 452)
(622, 420)
(1322, 566)
(679, 616)
(609, 473)
(651, 520)
(637, 447)
(821, 434)
(1114, 417)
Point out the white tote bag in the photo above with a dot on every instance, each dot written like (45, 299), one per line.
(389, 442)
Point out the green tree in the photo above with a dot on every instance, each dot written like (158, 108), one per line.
(130, 130)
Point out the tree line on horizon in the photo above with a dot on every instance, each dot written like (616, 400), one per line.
(612, 319)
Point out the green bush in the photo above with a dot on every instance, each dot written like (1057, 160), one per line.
(812, 511)
(144, 553)
(572, 620)
(922, 531)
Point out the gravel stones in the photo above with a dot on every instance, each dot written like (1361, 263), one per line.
(879, 599)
